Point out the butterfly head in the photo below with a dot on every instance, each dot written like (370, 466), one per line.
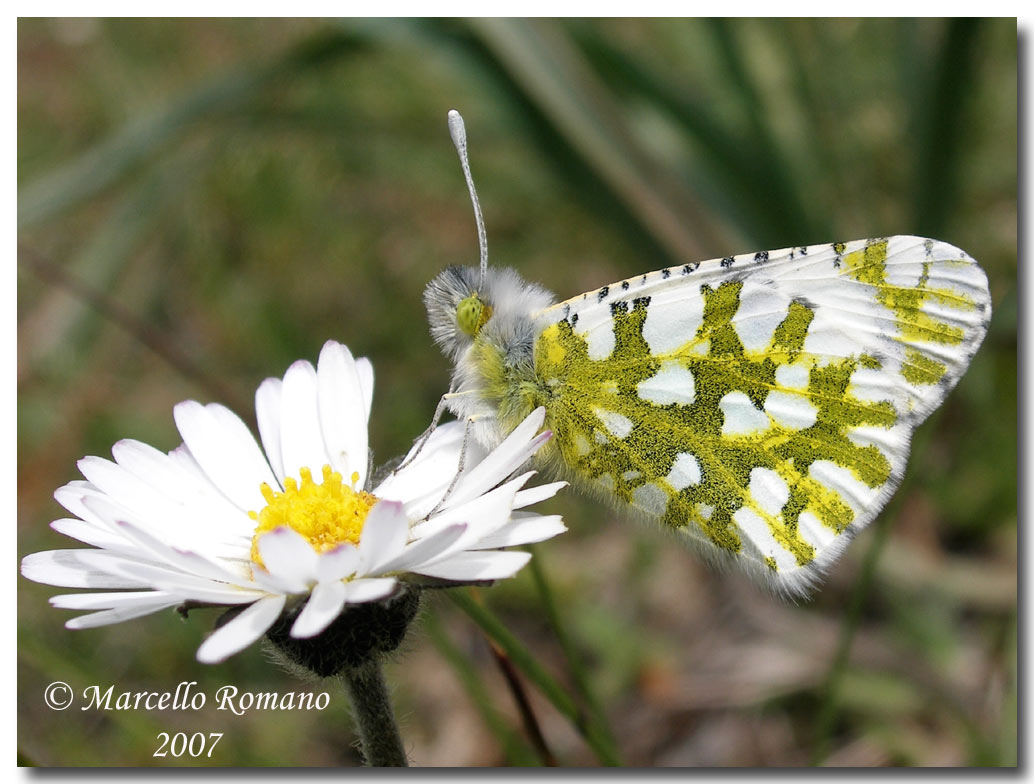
(462, 307)
(472, 313)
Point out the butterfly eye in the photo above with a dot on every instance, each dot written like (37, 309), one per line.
(471, 314)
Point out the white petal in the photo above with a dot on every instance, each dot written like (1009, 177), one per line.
(369, 590)
(483, 515)
(211, 593)
(323, 607)
(95, 535)
(65, 569)
(342, 412)
(144, 574)
(272, 583)
(185, 560)
(70, 497)
(534, 495)
(289, 556)
(110, 600)
(201, 591)
(242, 631)
(338, 563)
(212, 504)
(534, 528)
(425, 550)
(105, 617)
(167, 521)
(365, 371)
(300, 436)
(430, 471)
(134, 497)
(174, 488)
(384, 536)
(470, 567)
(506, 458)
(267, 412)
(226, 451)
(151, 466)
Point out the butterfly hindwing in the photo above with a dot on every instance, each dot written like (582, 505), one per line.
(761, 405)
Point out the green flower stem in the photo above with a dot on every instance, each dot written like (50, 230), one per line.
(534, 671)
(382, 744)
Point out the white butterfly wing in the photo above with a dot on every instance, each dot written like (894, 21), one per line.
(762, 404)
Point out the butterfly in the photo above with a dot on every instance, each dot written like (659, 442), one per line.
(759, 406)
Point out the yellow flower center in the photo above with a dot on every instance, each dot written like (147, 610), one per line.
(326, 514)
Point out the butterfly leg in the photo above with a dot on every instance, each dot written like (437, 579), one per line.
(461, 464)
(421, 440)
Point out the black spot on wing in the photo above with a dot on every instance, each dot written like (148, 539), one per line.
(666, 273)
(618, 307)
(624, 285)
(761, 258)
(602, 293)
(806, 302)
(838, 251)
(727, 262)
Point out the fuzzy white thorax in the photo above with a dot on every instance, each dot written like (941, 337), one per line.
(511, 329)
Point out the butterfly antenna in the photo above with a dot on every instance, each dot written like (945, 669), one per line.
(458, 132)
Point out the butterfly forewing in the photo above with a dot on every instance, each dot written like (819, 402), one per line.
(761, 404)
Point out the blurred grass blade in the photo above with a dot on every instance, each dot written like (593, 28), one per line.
(781, 186)
(575, 666)
(514, 747)
(529, 665)
(941, 121)
(821, 170)
(98, 167)
(115, 312)
(58, 331)
(540, 58)
(829, 692)
(729, 167)
(532, 728)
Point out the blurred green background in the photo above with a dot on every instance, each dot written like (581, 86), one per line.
(203, 201)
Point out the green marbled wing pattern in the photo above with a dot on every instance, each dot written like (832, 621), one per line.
(760, 405)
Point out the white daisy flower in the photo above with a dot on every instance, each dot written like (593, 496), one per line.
(223, 521)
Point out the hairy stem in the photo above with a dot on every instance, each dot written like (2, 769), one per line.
(378, 732)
